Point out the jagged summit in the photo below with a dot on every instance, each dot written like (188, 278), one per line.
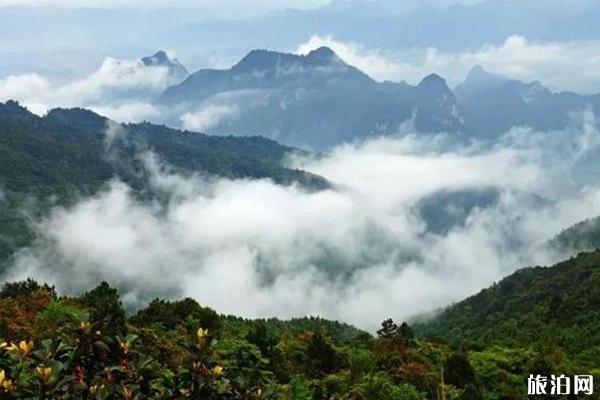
(433, 81)
(478, 75)
(323, 55)
(434, 88)
(261, 59)
(479, 80)
(158, 58)
(162, 59)
(477, 72)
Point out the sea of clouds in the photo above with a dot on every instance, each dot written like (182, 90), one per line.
(359, 252)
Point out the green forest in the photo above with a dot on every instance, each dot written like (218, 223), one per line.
(538, 320)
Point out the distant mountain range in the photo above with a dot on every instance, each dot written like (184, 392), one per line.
(491, 104)
(318, 101)
(314, 100)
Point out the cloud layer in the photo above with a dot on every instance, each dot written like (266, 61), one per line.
(360, 252)
(119, 89)
(208, 117)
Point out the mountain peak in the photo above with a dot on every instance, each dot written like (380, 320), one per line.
(162, 59)
(479, 80)
(434, 82)
(322, 54)
(478, 74)
(260, 59)
(268, 60)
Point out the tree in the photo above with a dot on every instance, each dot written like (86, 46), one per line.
(458, 370)
(406, 332)
(388, 329)
(186, 312)
(322, 357)
(105, 306)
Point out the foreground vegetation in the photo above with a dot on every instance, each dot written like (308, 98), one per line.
(86, 348)
(537, 321)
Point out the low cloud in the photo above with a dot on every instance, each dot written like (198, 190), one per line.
(208, 117)
(560, 65)
(122, 89)
(117, 75)
(360, 252)
(374, 62)
(31, 89)
(130, 112)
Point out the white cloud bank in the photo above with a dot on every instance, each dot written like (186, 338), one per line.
(119, 89)
(359, 252)
(208, 117)
(560, 65)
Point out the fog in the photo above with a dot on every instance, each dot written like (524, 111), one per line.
(359, 252)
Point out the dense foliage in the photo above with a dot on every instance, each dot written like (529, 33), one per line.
(538, 320)
(67, 149)
(86, 348)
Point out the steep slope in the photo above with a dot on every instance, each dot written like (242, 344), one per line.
(491, 104)
(549, 306)
(314, 100)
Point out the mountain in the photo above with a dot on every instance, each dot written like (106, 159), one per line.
(59, 157)
(314, 100)
(491, 104)
(31, 145)
(177, 72)
(317, 101)
(538, 306)
(479, 80)
(583, 236)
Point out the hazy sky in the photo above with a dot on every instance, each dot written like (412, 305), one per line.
(259, 4)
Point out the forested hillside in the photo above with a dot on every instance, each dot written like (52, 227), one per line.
(67, 150)
(548, 311)
(66, 154)
(583, 236)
